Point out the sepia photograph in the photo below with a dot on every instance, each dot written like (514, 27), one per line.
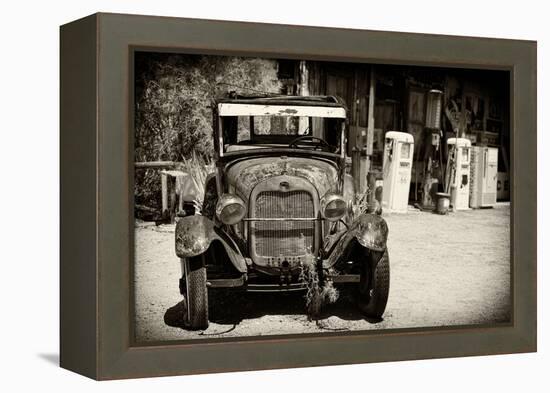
(287, 197)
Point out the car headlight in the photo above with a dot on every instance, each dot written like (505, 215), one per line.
(230, 209)
(333, 207)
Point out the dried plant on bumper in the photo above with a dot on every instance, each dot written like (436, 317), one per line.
(316, 296)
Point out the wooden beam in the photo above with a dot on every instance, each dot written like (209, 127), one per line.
(145, 208)
(155, 164)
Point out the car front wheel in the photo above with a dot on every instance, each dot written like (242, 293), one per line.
(374, 286)
(197, 293)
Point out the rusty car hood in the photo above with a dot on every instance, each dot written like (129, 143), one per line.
(245, 175)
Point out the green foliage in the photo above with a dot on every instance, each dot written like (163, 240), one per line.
(173, 99)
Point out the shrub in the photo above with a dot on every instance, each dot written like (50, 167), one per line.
(173, 114)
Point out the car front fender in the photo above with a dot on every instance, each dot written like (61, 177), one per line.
(369, 231)
(195, 234)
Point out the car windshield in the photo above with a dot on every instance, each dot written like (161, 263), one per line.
(287, 125)
(240, 132)
(249, 127)
(245, 125)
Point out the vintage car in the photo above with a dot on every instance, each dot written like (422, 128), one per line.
(280, 195)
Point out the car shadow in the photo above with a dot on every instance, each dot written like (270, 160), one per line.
(232, 307)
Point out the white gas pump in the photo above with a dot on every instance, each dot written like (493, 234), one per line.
(483, 191)
(460, 180)
(397, 166)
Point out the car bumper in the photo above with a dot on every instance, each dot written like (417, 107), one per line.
(242, 283)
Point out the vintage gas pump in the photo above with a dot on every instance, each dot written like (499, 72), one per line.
(459, 148)
(398, 156)
(484, 164)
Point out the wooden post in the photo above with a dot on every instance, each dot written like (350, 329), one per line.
(164, 188)
(372, 202)
(363, 171)
(463, 119)
(303, 90)
(172, 208)
(370, 136)
(370, 123)
(355, 173)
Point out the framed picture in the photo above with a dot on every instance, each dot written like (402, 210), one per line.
(216, 216)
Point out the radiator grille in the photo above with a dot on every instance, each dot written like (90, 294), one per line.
(283, 238)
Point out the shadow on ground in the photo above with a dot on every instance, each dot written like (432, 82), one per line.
(232, 307)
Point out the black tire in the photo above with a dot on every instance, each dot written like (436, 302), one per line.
(197, 294)
(374, 287)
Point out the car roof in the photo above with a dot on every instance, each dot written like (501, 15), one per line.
(327, 101)
(304, 106)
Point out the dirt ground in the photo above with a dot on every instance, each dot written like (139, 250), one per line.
(445, 270)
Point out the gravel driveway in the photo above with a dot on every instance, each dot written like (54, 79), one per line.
(445, 270)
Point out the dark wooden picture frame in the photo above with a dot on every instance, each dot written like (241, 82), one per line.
(97, 199)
